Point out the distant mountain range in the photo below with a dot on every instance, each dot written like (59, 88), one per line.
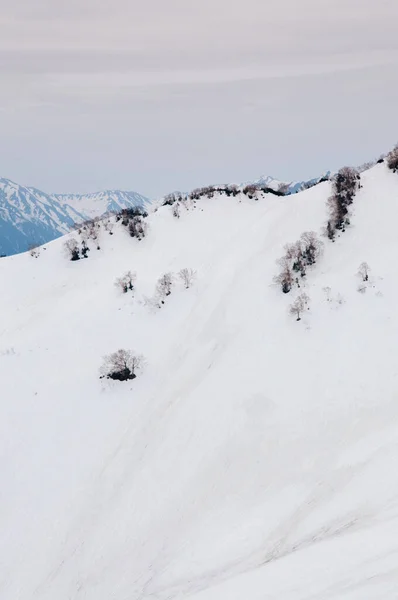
(292, 187)
(30, 217)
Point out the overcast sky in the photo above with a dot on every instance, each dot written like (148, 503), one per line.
(158, 95)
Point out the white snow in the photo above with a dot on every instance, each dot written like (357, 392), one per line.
(253, 458)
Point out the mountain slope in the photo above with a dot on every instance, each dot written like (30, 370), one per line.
(292, 187)
(31, 217)
(253, 457)
(99, 203)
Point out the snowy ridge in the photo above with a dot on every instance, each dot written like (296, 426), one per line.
(31, 217)
(99, 203)
(292, 187)
(253, 457)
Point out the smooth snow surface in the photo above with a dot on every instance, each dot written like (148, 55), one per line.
(254, 458)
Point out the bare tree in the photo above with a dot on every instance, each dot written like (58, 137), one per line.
(363, 271)
(176, 210)
(164, 285)
(84, 249)
(231, 190)
(72, 248)
(137, 227)
(299, 305)
(285, 277)
(126, 282)
(392, 159)
(311, 247)
(291, 251)
(250, 190)
(121, 365)
(108, 226)
(187, 276)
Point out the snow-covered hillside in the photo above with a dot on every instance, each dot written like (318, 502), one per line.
(253, 457)
(30, 217)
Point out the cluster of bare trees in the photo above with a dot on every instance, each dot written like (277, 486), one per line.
(121, 365)
(298, 257)
(133, 219)
(392, 159)
(170, 199)
(165, 284)
(126, 282)
(250, 190)
(345, 186)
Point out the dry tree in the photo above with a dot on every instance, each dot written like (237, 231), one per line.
(164, 285)
(187, 276)
(299, 306)
(126, 282)
(392, 159)
(363, 271)
(121, 365)
(72, 249)
(285, 278)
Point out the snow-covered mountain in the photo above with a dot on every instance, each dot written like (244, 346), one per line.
(99, 203)
(253, 457)
(291, 187)
(30, 217)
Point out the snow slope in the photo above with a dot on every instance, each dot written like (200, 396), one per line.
(31, 217)
(254, 457)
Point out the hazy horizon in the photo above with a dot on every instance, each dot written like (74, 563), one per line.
(159, 97)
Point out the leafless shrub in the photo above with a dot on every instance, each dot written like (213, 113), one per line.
(285, 277)
(84, 249)
(311, 247)
(363, 271)
(392, 159)
(250, 190)
(126, 282)
(137, 228)
(164, 285)
(170, 199)
(176, 210)
(187, 276)
(108, 226)
(299, 306)
(72, 249)
(121, 365)
(231, 190)
(34, 250)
